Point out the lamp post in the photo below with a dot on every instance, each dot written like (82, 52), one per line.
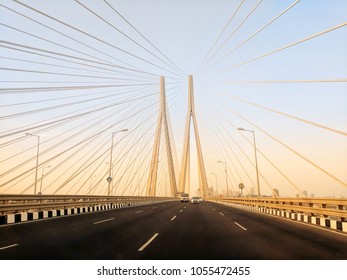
(216, 182)
(255, 155)
(226, 175)
(109, 178)
(43, 168)
(37, 158)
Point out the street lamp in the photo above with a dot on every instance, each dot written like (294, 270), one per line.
(43, 168)
(226, 175)
(109, 179)
(37, 157)
(255, 154)
(216, 182)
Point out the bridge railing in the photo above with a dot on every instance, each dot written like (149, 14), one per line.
(326, 207)
(17, 208)
(326, 212)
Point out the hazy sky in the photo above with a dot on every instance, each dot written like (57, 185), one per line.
(53, 65)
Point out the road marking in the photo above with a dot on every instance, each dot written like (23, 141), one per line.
(138, 212)
(221, 213)
(214, 209)
(103, 221)
(148, 242)
(9, 246)
(154, 207)
(240, 226)
(181, 211)
(174, 217)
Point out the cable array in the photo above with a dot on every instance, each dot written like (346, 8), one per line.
(71, 95)
(71, 87)
(227, 142)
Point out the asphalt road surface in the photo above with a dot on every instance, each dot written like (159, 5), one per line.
(173, 231)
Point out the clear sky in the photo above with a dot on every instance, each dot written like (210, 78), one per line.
(80, 77)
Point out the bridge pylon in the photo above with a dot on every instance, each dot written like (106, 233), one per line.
(183, 182)
(162, 124)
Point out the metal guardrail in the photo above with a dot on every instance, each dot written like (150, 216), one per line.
(323, 207)
(11, 204)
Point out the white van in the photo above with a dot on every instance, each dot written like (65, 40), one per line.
(184, 197)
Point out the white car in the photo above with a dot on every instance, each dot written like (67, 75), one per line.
(184, 197)
(195, 200)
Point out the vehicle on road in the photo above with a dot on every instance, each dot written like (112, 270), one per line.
(184, 197)
(195, 200)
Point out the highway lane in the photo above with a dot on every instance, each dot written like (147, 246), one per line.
(113, 234)
(214, 231)
(172, 230)
(277, 238)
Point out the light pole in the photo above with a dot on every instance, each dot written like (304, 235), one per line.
(216, 182)
(255, 154)
(226, 175)
(37, 157)
(42, 177)
(109, 179)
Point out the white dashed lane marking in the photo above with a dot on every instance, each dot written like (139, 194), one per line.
(240, 226)
(103, 221)
(148, 242)
(9, 246)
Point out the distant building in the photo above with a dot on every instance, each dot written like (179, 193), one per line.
(275, 193)
(305, 193)
(252, 192)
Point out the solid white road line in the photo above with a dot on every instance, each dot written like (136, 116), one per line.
(9, 246)
(240, 226)
(103, 221)
(174, 217)
(138, 212)
(221, 213)
(148, 242)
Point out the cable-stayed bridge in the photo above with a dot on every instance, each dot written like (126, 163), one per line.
(109, 114)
